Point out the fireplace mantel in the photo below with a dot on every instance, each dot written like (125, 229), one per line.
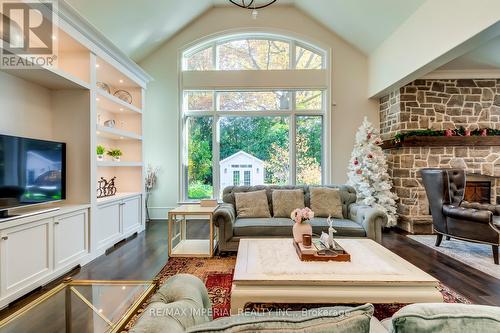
(443, 141)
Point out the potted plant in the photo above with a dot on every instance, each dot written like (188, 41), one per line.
(100, 152)
(301, 217)
(115, 154)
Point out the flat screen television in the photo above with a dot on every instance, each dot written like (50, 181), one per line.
(31, 172)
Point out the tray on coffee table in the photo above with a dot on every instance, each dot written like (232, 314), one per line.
(339, 254)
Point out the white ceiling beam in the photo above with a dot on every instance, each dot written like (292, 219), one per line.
(436, 33)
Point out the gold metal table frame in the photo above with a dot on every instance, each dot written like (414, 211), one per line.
(68, 286)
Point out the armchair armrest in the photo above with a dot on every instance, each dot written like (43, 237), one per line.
(224, 218)
(181, 302)
(469, 214)
(495, 209)
(372, 220)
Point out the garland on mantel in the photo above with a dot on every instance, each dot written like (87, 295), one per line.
(461, 131)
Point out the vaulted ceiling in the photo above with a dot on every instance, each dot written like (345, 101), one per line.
(139, 27)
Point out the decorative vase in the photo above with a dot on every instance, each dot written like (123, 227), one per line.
(116, 159)
(100, 157)
(300, 229)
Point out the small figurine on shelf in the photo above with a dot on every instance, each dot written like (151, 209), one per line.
(106, 188)
(115, 154)
(100, 152)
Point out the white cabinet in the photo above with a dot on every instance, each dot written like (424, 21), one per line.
(131, 214)
(25, 255)
(116, 220)
(39, 248)
(107, 224)
(70, 238)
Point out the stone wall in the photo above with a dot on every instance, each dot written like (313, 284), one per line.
(438, 104)
(441, 104)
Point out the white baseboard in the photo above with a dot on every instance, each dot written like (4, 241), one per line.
(159, 213)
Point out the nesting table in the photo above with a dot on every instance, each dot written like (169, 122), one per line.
(179, 245)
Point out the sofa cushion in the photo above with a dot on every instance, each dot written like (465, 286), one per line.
(282, 227)
(263, 227)
(344, 227)
(321, 320)
(443, 317)
(285, 201)
(326, 202)
(252, 204)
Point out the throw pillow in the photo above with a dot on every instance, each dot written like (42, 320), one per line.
(252, 204)
(326, 202)
(320, 320)
(285, 201)
(443, 317)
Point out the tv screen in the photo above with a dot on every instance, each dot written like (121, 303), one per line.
(31, 171)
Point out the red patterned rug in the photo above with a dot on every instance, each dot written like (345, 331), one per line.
(217, 273)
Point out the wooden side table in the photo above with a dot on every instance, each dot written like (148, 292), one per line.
(178, 243)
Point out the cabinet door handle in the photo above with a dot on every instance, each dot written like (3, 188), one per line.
(56, 223)
(5, 237)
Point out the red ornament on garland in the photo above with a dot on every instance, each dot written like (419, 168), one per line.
(467, 132)
(369, 136)
(484, 132)
(448, 132)
(370, 156)
(356, 162)
(359, 171)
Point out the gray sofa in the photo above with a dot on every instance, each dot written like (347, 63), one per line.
(358, 221)
(182, 305)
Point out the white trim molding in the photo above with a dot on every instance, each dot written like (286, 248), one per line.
(452, 74)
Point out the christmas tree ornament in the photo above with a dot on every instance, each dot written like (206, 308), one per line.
(367, 173)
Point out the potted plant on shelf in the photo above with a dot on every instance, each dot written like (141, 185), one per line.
(100, 152)
(301, 217)
(115, 154)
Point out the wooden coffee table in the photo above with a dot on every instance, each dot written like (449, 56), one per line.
(269, 271)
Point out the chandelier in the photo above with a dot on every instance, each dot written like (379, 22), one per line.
(252, 4)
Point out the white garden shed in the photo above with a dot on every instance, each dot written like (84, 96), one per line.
(241, 168)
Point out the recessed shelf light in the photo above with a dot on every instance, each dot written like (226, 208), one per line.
(54, 37)
(121, 81)
(97, 65)
(121, 109)
(98, 132)
(97, 99)
(121, 137)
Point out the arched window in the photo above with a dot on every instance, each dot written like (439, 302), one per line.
(252, 52)
(254, 116)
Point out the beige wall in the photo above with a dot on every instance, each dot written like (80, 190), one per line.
(25, 108)
(349, 89)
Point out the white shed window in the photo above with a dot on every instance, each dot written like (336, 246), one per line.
(236, 135)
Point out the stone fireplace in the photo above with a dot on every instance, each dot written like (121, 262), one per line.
(441, 104)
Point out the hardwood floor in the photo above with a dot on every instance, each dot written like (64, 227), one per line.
(142, 257)
(479, 287)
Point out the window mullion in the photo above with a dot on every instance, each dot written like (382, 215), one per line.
(291, 52)
(292, 150)
(216, 156)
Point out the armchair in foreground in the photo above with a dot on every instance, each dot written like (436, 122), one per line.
(454, 217)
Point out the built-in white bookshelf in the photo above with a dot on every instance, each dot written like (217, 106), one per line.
(65, 103)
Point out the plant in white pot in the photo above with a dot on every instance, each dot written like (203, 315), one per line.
(115, 154)
(100, 150)
(301, 217)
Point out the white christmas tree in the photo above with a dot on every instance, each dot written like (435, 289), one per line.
(367, 173)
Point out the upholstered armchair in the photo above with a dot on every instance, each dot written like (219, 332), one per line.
(454, 217)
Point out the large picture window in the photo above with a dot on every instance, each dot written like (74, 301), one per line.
(252, 136)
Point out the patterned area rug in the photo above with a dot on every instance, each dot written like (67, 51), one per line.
(217, 273)
(475, 255)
